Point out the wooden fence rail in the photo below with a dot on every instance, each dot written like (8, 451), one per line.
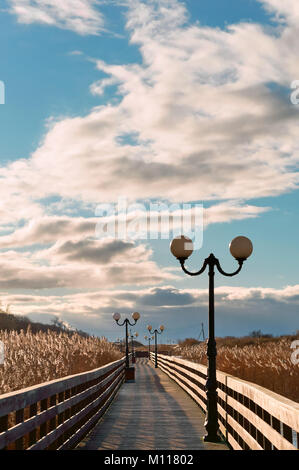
(58, 414)
(250, 416)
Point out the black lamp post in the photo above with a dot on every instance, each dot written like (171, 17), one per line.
(155, 332)
(149, 345)
(126, 322)
(118, 342)
(241, 248)
(132, 344)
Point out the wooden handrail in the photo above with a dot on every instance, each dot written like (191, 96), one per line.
(57, 414)
(250, 416)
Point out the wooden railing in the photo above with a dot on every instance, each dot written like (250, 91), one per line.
(58, 414)
(250, 416)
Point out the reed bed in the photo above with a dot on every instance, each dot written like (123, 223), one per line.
(33, 358)
(267, 364)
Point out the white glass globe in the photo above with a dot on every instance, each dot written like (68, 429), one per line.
(136, 316)
(181, 247)
(241, 247)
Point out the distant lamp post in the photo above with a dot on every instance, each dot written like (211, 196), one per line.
(132, 345)
(126, 322)
(149, 344)
(118, 342)
(136, 336)
(241, 248)
(155, 332)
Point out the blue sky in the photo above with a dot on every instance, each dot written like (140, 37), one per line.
(166, 101)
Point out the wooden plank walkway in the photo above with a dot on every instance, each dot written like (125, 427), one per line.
(152, 413)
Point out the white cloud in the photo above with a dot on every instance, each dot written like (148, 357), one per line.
(27, 271)
(76, 52)
(231, 210)
(287, 10)
(206, 123)
(197, 119)
(80, 16)
(239, 309)
(95, 252)
(48, 230)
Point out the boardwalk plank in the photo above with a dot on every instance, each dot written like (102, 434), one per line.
(152, 413)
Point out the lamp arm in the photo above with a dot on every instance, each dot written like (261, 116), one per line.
(126, 321)
(205, 264)
(217, 264)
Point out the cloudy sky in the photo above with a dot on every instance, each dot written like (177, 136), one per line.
(171, 102)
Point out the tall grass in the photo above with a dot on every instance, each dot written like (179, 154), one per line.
(266, 363)
(33, 358)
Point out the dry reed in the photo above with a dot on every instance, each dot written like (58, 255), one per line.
(265, 363)
(31, 359)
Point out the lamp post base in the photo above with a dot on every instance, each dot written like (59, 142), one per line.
(130, 374)
(212, 438)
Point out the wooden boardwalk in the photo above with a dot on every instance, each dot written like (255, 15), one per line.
(152, 413)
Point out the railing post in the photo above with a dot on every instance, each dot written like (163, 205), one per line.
(4, 425)
(32, 434)
(156, 351)
(20, 419)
